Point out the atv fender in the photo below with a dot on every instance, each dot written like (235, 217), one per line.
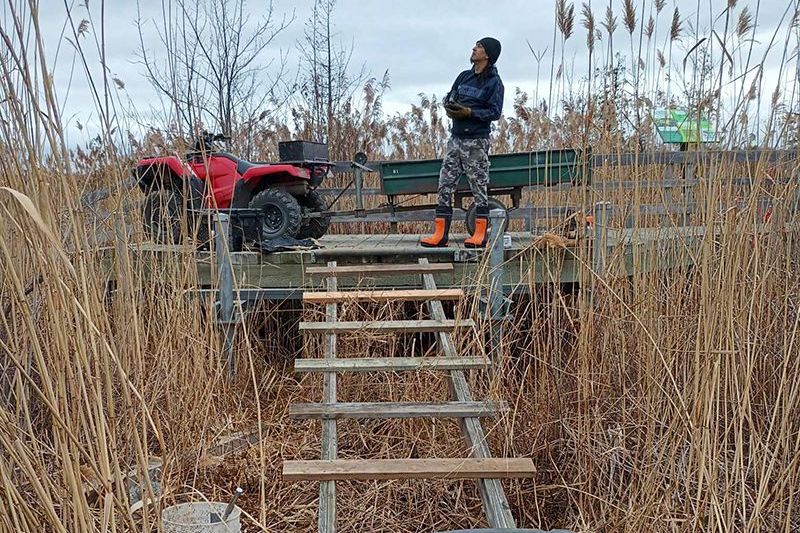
(290, 172)
(160, 172)
(260, 177)
(170, 173)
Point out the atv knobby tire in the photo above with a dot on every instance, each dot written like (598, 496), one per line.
(161, 216)
(314, 228)
(282, 215)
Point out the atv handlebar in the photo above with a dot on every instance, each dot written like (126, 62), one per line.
(208, 139)
(212, 137)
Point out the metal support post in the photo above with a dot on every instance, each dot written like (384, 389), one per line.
(497, 301)
(602, 216)
(225, 300)
(687, 197)
(393, 227)
(528, 217)
(530, 220)
(359, 185)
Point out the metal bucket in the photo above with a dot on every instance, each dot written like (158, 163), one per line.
(200, 517)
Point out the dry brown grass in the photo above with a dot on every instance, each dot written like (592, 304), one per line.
(666, 402)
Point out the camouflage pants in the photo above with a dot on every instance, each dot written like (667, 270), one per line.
(468, 157)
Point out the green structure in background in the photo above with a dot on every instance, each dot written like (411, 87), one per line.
(678, 126)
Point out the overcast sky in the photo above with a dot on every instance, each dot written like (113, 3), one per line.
(422, 43)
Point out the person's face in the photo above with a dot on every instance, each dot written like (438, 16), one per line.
(478, 53)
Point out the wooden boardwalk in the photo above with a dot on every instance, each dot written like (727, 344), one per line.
(283, 275)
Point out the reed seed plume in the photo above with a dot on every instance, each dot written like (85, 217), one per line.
(649, 363)
(753, 91)
(629, 16)
(676, 27)
(610, 21)
(589, 24)
(565, 18)
(744, 23)
(650, 28)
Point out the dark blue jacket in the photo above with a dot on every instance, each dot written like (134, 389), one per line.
(482, 94)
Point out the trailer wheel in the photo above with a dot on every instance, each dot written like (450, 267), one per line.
(494, 203)
(314, 228)
(282, 215)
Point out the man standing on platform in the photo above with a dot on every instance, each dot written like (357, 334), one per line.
(475, 100)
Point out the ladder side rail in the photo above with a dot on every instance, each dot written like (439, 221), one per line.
(493, 497)
(327, 489)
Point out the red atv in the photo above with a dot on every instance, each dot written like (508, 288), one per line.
(282, 196)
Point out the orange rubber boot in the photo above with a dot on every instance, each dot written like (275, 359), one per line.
(440, 234)
(480, 236)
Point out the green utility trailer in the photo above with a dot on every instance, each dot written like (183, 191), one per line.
(509, 174)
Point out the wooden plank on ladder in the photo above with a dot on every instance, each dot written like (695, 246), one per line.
(382, 469)
(495, 503)
(386, 326)
(366, 271)
(373, 410)
(389, 364)
(410, 295)
(327, 489)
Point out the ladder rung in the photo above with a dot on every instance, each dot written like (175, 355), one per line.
(364, 271)
(388, 326)
(383, 296)
(393, 364)
(378, 469)
(395, 410)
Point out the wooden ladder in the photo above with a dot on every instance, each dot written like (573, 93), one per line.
(481, 465)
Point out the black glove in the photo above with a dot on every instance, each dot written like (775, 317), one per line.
(455, 110)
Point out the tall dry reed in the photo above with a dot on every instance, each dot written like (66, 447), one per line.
(665, 401)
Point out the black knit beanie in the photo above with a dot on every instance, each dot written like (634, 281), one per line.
(492, 47)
